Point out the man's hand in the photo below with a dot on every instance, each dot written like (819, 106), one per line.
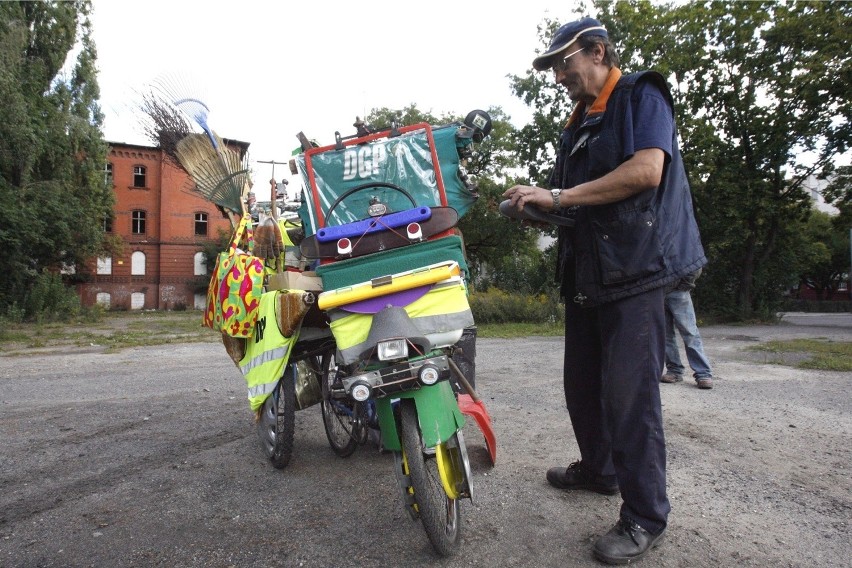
(520, 195)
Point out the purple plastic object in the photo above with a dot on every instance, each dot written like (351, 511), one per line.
(374, 224)
(396, 299)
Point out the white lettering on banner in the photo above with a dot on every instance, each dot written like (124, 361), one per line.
(350, 165)
(363, 162)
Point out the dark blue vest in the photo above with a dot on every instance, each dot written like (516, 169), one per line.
(643, 242)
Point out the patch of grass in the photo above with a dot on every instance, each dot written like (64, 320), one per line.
(819, 354)
(512, 330)
(12, 336)
(120, 330)
(113, 331)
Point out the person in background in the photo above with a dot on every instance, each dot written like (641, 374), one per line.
(619, 175)
(680, 316)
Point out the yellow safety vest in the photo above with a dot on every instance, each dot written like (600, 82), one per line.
(267, 352)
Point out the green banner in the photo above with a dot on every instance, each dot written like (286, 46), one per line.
(404, 162)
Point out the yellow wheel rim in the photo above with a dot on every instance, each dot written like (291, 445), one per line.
(450, 475)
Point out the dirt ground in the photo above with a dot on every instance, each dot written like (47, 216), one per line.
(148, 457)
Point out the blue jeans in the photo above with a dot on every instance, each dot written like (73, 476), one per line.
(680, 315)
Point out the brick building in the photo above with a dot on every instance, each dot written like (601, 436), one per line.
(164, 225)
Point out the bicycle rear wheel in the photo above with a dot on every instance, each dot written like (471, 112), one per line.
(343, 418)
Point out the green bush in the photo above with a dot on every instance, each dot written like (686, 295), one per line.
(14, 313)
(92, 314)
(819, 306)
(497, 306)
(49, 300)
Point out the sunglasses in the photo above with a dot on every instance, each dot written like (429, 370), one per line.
(562, 64)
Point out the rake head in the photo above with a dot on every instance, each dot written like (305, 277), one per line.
(221, 176)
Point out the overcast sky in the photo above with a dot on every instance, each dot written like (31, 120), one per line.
(270, 69)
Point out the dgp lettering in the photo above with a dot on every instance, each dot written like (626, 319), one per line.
(363, 161)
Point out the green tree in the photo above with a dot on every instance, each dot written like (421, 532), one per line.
(838, 192)
(756, 86)
(53, 195)
(826, 263)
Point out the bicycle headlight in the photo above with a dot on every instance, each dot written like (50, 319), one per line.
(392, 350)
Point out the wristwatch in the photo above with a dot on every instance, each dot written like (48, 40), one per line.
(555, 193)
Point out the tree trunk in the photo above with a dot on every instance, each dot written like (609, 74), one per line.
(744, 301)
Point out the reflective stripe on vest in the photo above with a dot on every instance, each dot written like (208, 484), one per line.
(267, 352)
(265, 357)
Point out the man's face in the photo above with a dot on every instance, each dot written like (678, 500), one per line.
(573, 72)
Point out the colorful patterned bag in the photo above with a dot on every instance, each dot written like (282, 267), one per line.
(233, 296)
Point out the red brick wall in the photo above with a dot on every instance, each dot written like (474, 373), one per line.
(169, 242)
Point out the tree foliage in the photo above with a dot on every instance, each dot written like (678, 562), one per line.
(762, 101)
(53, 196)
(826, 260)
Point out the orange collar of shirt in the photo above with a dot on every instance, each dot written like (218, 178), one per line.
(600, 103)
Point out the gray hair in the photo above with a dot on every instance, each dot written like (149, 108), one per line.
(610, 57)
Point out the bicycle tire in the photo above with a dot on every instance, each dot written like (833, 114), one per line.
(344, 419)
(439, 513)
(277, 423)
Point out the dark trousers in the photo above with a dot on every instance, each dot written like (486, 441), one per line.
(613, 361)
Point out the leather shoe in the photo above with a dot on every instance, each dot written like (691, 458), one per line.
(626, 542)
(575, 477)
(704, 383)
(671, 378)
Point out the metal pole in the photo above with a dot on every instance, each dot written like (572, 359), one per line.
(274, 188)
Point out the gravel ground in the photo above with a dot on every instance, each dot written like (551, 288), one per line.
(148, 457)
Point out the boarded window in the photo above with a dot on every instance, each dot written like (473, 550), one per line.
(103, 299)
(137, 263)
(105, 265)
(137, 300)
(200, 264)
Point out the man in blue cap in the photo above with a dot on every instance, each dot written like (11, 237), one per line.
(619, 175)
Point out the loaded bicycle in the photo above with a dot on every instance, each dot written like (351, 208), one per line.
(364, 308)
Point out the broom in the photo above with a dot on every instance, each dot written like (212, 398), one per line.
(163, 123)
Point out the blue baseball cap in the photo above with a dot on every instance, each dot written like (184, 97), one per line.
(564, 37)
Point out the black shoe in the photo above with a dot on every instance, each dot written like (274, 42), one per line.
(575, 477)
(626, 542)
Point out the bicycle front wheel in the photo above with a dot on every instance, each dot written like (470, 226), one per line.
(438, 512)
